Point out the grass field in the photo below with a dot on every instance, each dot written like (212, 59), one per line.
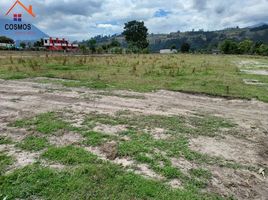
(209, 74)
(79, 133)
(84, 176)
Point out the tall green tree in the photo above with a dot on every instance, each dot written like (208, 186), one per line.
(38, 43)
(245, 47)
(23, 45)
(229, 47)
(185, 47)
(114, 43)
(136, 34)
(263, 50)
(173, 47)
(92, 44)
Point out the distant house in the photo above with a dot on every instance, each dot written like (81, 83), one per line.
(168, 51)
(59, 44)
(7, 45)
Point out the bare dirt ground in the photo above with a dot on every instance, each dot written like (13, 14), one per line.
(26, 98)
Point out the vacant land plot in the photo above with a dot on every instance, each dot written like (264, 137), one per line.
(85, 139)
(215, 75)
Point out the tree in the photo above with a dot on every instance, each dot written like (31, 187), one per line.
(185, 47)
(173, 47)
(114, 43)
(99, 50)
(92, 45)
(23, 45)
(136, 34)
(229, 47)
(256, 47)
(83, 48)
(245, 47)
(263, 50)
(38, 43)
(4, 39)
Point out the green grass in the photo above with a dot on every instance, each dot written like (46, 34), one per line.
(86, 177)
(179, 127)
(33, 143)
(201, 173)
(5, 161)
(90, 181)
(209, 125)
(47, 123)
(5, 140)
(199, 125)
(208, 74)
(69, 155)
(95, 139)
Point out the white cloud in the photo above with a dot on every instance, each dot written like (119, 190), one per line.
(85, 18)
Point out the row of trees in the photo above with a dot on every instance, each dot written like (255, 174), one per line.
(136, 34)
(244, 47)
(113, 47)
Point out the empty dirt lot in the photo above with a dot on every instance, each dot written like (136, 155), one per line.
(246, 144)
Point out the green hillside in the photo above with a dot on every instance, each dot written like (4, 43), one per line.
(199, 40)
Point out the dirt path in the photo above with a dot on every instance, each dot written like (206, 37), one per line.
(23, 97)
(26, 98)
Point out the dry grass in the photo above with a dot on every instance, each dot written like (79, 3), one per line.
(209, 74)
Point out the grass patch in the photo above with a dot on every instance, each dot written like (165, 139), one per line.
(5, 161)
(90, 178)
(176, 125)
(69, 155)
(33, 143)
(92, 181)
(181, 128)
(47, 123)
(5, 140)
(201, 173)
(209, 125)
(95, 138)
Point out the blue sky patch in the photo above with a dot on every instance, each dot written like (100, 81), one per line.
(161, 13)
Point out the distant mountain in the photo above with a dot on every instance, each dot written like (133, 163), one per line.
(257, 25)
(199, 40)
(24, 31)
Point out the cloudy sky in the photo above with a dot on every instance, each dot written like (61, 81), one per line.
(81, 19)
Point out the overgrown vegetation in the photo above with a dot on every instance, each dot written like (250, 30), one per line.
(213, 75)
(33, 143)
(244, 47)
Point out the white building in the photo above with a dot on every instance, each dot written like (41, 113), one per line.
(168, 51)
(7, 45)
